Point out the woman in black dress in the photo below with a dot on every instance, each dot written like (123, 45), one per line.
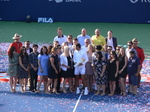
(113, 66)
(54, 70)
(66, 63)
(123, 60)
(23, 68)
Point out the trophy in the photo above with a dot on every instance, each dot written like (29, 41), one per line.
(80, 61)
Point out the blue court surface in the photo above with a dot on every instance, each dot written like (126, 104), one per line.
(32, 102)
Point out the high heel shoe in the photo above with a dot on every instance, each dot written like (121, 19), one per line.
(97, 93)
(111, 94)
(55, 92)
(70, 90)
(64, 91)
(124, 93)
(103, 94)
(121, 92)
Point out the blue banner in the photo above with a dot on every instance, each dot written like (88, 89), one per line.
(118, 11)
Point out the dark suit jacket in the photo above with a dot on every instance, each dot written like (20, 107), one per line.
(114, 42)
(31, 50)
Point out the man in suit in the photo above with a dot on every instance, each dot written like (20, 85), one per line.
(111, 41)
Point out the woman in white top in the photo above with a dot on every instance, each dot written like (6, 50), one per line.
(66, 63)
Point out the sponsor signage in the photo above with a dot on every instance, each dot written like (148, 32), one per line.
(45, 20)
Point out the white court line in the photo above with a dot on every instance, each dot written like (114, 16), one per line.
(77, 102)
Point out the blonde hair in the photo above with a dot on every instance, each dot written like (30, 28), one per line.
(66, 51)
(90, 45)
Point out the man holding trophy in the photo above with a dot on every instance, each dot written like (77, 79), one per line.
(80, 59)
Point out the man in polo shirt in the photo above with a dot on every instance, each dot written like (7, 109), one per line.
(80, 59)
(83, 36)
(98, 39)
(133, 69)
(111, 41)
(60, 37)
(141, 56)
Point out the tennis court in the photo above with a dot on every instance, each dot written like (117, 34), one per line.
(43, 33)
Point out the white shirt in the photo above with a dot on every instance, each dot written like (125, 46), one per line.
(82, 38)
(110, 43)
(84, 48)
(128, 54)
(63, 60)
(60, 39)
(28, 51)
(78, 55)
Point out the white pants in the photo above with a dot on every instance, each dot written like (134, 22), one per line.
(80, 70)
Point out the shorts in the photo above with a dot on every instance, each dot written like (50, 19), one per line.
(80, 70)
(133, 80)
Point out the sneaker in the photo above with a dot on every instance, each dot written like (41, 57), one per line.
(134, 94)
(78, 90)
(86, 91)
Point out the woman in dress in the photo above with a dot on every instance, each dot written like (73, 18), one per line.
(66, 63)
(43, 60)
(99, 66)
(54, 70)
(49, 50)
(23, 68)
(113, 67)
(123, 71)
(13, 68)
(89, 70)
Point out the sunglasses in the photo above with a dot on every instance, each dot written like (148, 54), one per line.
(108, 49)
(129, 45)
(117, 49)
(69, 38)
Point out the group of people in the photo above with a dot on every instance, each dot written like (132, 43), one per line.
(93, 59)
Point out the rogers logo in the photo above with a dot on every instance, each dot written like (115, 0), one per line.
(142, 1)
(133, 1)
(61, 1)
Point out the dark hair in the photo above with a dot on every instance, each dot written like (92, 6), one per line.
(114, 53)
(100, 55)
(27, 41)
(130, 42)
(41, 52)
(34, 45)
(78, 45)
(10, 54)
(70, 36)
(59, 46)
(110, 31)
(54, 49)
(132, 52)
(98, 47)
(21, 52)
(49, 49)
(75, 39)
(110, 47)
(55, 42)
